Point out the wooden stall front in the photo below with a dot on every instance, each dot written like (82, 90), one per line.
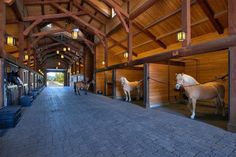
(104, 83)
(204, 68)
(132, 74)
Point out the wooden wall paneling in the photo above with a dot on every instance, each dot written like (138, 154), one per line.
(108, 82)
(113, 83)
(131, 75)
(100, 80)
(158, 84)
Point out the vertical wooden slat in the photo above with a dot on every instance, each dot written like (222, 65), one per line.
(106, 53)
(232, 67)
(186, 21)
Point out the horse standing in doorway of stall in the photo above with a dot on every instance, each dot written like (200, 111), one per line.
(82, 85)
(130, 86)
(196, 91)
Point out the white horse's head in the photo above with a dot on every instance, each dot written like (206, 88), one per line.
(123, 80)
(184, 80)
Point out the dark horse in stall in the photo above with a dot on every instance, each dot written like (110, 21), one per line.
(14, 78)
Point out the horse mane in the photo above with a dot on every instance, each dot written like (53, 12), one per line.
(190, 79)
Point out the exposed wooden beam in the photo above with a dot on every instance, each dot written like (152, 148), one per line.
(149, 34)
(147, 4)
(80, 21)
(90, 3)
(130, 41)
(30, 2)
(117, 8)
(12, 21)
(52, 16)
(210, 14)
(31, 27)
(21, 42)
(216, 45)
(100, 20)
(122, 20)
(42, 8)
(47, 32)
(186, 21)
(2, 30)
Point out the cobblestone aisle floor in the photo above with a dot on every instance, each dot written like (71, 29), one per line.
(61, 124)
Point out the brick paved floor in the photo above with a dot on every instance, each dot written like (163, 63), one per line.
(61, 124)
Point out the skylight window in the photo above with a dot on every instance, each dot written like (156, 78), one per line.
(49, 25)
(113, 13)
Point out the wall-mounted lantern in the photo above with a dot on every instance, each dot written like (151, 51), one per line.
(11, 41)
(26, 57)
(103, 62)
(126, 54)
(181, 36)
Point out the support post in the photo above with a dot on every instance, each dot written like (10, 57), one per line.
(232, 67)
(106, 53)
(186, 21)
(113, 83)
(130, 41)
(21, 42)
(2, 27)
(146, 85)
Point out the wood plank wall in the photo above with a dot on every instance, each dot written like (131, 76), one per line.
(131, 75)
(209, 67)
(108, 82)
(204, 68)
(100, 79)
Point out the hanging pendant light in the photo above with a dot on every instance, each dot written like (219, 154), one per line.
(26, 57)
(68, 48)
(62, 56)
(103, 62)
(64, 49)
(59, 63)
(58, 52)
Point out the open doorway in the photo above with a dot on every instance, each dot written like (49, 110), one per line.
(55, 79)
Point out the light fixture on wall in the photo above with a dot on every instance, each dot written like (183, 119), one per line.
(58, 52)
(26, 57)
(77, 63)
(11, 41)
(103, 62)
(56, 67)
(68, 48)
(64, 49)
(75, 33)
(59, 63)
(62, 56)
(126, 54)
(181, 36)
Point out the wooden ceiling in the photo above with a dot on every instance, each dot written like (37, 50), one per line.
(154, 28)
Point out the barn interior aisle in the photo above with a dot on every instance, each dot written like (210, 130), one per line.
(94, 125)
(117, 78)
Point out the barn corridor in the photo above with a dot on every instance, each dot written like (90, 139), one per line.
(60, 123)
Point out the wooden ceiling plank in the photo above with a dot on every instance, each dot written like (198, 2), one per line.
(149, 34)
(210, 14)
(89, 13)
(90, 3)
(147, 4)
(30, 2)
(117, 8)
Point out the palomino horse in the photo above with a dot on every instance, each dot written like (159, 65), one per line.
(196, 91)
(130, 86)
(82, 85)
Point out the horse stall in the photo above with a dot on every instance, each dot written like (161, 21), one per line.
(104, 83)
(131, 74)
(161, 85)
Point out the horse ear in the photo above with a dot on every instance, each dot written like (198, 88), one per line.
(176, 74)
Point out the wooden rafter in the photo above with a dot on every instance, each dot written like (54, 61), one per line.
(186, 21)
(42, 9)
(90, 3)
(210, 14)
(31, 27)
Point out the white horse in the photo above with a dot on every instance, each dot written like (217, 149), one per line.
(196, 91)
(130, 86)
